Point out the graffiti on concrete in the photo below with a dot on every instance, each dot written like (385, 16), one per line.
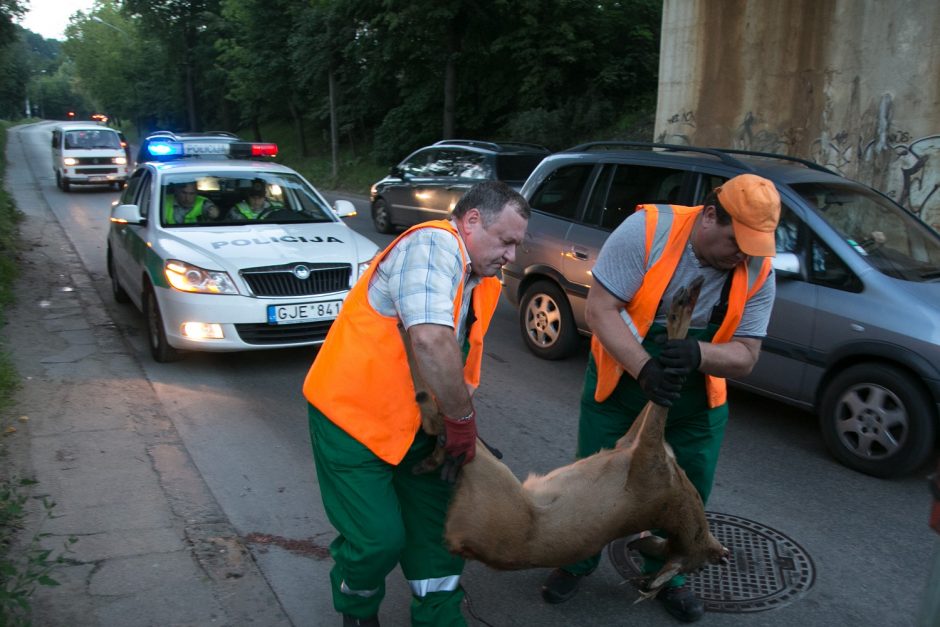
(866, 147)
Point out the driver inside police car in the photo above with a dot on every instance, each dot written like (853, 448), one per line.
(184, 205)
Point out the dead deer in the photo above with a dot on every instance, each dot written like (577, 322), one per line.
(574, 511)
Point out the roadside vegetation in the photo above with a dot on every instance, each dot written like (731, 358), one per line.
(25, 564)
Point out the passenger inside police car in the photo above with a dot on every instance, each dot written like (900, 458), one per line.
(257, 205)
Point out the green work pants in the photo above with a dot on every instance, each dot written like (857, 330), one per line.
(385, 515)
(693, 430)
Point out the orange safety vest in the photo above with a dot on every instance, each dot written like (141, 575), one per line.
(360, 378)
(668, 228)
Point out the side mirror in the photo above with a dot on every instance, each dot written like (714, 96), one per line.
(787, 265)
(344, 209)
(127, 214)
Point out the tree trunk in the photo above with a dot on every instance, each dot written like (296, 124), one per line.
(191, 98)
(450, 93)
(334, 124)
(298, 126)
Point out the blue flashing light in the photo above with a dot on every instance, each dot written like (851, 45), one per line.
(165, 149)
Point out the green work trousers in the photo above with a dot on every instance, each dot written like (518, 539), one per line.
(693, 430)
(385, 515)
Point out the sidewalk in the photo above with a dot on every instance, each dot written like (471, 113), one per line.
(154, 547)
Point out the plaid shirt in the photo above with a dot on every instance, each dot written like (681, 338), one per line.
(418, 279)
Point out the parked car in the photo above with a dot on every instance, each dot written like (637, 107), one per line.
(231, 275)
(855, 330)
(430, 181)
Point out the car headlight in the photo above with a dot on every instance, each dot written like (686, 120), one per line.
(189, 278)
(364, 265)
(69, 161)
(119, 160)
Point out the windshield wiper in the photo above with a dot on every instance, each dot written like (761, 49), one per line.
(931, 274)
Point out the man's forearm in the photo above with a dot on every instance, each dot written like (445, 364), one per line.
(441, 366)
(730, 359)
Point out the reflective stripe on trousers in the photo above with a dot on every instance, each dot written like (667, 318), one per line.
(365, 594)
(423, 587)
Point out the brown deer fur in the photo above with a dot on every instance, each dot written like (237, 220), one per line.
(574, 511)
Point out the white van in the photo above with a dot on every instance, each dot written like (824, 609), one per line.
(87, 153)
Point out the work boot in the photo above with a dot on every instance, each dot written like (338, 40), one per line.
(682, 603)
(560, 585)
(352, 621)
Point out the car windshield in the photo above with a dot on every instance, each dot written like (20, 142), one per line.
(91, 139)
(238, 198)
(886, 235)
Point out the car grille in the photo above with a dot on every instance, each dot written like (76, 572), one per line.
(95, 170)
(261, 334)
(283, 280)
(95, 160)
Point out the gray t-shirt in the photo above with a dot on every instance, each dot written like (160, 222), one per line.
(620, 269)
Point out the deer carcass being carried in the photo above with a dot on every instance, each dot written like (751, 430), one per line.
(574, 511)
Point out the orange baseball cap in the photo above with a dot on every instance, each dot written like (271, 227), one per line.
(754, 206)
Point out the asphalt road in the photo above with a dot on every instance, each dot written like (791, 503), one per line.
(243, 421)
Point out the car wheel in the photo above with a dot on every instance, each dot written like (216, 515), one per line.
(546, 321)
(58, 179)
(156, 335)
(65, 184)
(117, 291)
(876, 420)
(381, 217)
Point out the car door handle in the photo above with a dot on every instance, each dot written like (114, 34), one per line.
(579, 253)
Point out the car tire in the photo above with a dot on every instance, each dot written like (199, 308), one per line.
(877, 420)
(160, 349)
(120, 295)
(382, 217)
(546, 321)
(66, 186)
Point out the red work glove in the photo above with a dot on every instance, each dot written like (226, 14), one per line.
(459, 441)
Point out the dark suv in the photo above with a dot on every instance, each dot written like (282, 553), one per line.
(430, 181)
(855, 330)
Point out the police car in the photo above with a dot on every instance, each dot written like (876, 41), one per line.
(230, 254)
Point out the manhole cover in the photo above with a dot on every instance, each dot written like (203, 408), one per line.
(767, 570)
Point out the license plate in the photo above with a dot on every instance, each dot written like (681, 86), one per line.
(195, 148)
(303, 312)
(96, 179)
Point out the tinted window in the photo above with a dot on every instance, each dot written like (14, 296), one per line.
(561, 192)
(829, 270)
(516, 167)
(129, 195)
(622, 187)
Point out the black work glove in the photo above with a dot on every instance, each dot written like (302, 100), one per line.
(658, 384)
(681, 355)
(459, 441)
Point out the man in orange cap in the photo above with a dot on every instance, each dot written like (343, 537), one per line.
(658, 250)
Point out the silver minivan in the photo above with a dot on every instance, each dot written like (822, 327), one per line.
(855, 330)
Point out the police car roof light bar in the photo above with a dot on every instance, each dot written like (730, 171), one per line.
(246, 150)
(165, 149)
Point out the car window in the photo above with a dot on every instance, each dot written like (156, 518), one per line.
(884, 234)
(420, 164)
(129, 195)
(516, 167)
(621, 187)
(790, 231)
(560, 193)
(144, 195)
(707, 183)
(829, 270)
(471, 165)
